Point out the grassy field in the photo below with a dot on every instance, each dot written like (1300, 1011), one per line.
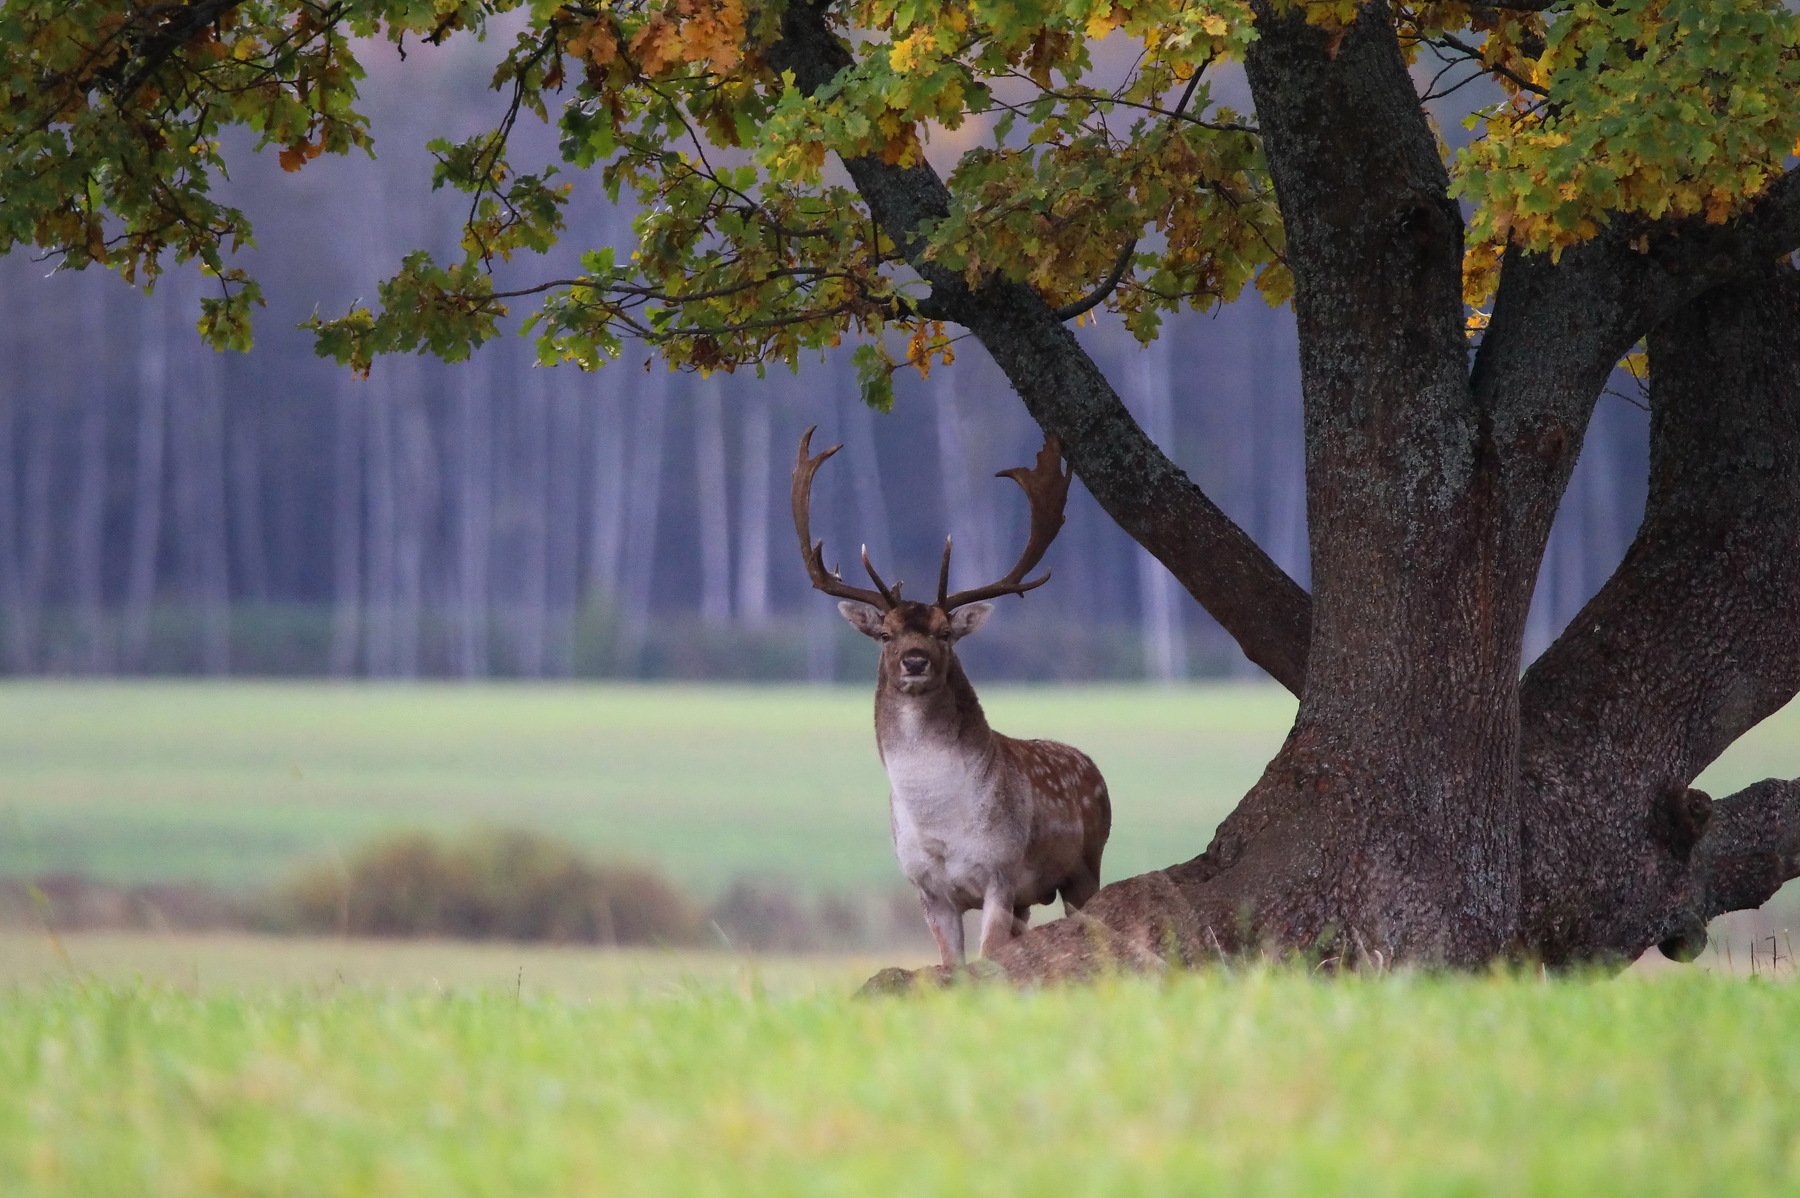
(233, 783)
(1249, 1083)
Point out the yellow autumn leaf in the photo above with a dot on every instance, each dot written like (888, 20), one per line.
(905, 54)
(657, 46)
(595, 43)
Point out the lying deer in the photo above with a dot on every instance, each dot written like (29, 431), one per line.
(979, 820)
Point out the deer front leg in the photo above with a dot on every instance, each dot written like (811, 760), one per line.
(996, 917)
(945, 922)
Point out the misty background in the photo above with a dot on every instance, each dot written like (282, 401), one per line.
(165, 509)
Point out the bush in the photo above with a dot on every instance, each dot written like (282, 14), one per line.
(509, 885)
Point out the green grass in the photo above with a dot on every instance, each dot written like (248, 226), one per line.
(233, 783)
(229, 963)
(1252, 1083)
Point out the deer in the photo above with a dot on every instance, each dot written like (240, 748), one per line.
(979, 820)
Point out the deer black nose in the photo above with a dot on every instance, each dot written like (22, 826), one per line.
(914, 662)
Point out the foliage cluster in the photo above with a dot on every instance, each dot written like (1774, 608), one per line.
(1082, 146)
(1257, 1083)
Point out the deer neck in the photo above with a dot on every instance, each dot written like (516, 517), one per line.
(946, 718)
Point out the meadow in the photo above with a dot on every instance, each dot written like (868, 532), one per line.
(1256, 1083)
(227, 1065)
(235, 783)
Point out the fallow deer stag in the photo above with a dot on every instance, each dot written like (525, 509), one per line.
(979, 820)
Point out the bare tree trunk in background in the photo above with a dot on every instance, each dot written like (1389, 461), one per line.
(199, 467)
(1160, 604)
(1275, 475)
(964, 512)
(611, 419)
(567, 412)
(871, 498)
(12, 590)
(244, 435)
(347, 530)
(474, 518)
(37, 536)
(644, 500)
(378, 540)
(88, 540)
(531, 458)
(712, 485)
(147, 492)
(415, 501)
(753, 511)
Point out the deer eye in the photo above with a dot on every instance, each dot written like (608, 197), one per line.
(886, 637)
(943, 634)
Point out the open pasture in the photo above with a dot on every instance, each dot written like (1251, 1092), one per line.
(233, 783)
(1244, 1083)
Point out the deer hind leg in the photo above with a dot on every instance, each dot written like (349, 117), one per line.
(945, 922)
(1021, 918)
(1078, 890)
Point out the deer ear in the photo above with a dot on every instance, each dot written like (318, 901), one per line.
(864, 617)
(965, 620)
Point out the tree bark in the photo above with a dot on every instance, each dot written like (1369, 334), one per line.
(1427, 806)
(1691, 643)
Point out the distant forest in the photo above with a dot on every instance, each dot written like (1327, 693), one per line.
(165, 509)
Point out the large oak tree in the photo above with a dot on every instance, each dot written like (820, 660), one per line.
(1630, 189)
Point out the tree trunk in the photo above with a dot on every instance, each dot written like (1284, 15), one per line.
(348, 520)
(12, 563)
(1159, 613)
(147, 491)
(711, 486)
(474, 521)
(1691, 643)
(644, 500)
(88, 545)
(564, 517)
(754, 513)
(1428, 806)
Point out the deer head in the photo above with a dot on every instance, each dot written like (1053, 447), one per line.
(916, 638)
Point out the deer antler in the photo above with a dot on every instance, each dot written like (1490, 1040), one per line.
(1046, 488)
(814, 551)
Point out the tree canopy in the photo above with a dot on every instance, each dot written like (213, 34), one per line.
(1086, 156)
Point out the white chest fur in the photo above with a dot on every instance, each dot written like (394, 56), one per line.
(950, 834)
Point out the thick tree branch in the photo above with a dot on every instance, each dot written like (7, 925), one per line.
(1150, 497)
(1690, 643)
(1558, 329)
(1750, 848)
